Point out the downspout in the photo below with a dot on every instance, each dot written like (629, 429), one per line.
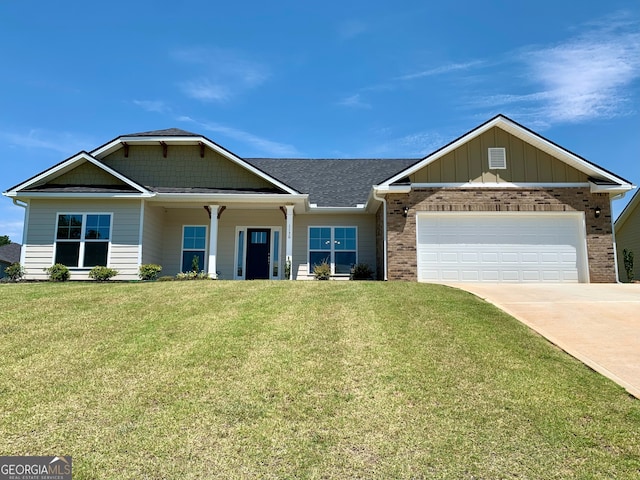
(613, 233)
(384, 231)
(25, 228)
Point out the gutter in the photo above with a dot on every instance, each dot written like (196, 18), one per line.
(25, 223)
(384, 231)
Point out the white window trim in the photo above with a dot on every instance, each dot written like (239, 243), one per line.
(203, 268)
(236, 260)
(332, 254)
(82, 240)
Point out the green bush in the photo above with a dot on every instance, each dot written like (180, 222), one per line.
(627, 256)
(322, 271)
(166, 278)
(102, 274)
(58, 273)
(149, 271)
(14, 272)
(361, 271)
(192, 276)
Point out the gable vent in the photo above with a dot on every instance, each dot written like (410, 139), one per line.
(497, 158)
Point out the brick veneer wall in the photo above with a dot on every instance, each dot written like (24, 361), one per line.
(401, 231)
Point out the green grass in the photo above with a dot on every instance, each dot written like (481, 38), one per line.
(298, 380)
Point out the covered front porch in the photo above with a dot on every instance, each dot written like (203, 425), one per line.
(228, 240)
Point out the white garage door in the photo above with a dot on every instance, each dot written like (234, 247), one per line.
(501, 247)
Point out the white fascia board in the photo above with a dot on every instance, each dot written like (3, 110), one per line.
(501, 185)
(387, 188)
(119, 143)
(337, 210)
(77, 195)
(610, 189)
(278, 198)
(526, 136)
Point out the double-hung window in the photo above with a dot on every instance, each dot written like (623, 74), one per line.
(82, 239)
(194, 243)
(336, 246)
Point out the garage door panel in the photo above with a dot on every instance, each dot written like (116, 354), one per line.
(500, 248)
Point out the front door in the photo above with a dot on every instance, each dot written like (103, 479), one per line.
(258, 248)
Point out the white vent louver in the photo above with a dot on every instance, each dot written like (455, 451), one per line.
(497, 158)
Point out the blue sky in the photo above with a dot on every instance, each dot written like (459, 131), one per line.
(315, 79)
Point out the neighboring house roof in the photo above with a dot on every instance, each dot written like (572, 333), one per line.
(628, 211)
(602, 180)
(10, 253)
(331, 182)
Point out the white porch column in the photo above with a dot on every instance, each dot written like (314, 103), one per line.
(213, 242)
(289, 242)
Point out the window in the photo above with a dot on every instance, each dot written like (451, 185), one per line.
(334, 245)
(194, 242)
(82, 239)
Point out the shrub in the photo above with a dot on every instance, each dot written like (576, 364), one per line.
(58, 273)
(149, 271)
(192, 276)
(14, 272)
(166, 278)
(102, 274)
(322, 271)
(361, 271)
(627, 256)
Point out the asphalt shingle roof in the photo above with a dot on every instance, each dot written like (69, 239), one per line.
(10, 253)
(167, 132)
(331, 182)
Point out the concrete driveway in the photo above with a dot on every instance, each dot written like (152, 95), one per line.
(597, 323)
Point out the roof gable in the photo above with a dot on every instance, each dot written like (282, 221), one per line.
(632, 209)
(52, 179)
(175, 136)
(528, 137)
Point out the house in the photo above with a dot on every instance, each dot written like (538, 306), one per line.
(500, 204)
(627, 234)
(9, 254)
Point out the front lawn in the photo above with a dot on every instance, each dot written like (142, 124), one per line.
(298, 379)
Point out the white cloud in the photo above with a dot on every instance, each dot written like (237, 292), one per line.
(219, 74)
(416, 144)
(586, 77)
(441, 70)
(61, 142)
(203, 89)
(354, 101)
(156, 106)
(256, 145)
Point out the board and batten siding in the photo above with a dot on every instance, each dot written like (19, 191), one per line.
(525, 164)
(628, 237)
(125, 232)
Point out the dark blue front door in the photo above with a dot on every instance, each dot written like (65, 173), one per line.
(258, 250)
